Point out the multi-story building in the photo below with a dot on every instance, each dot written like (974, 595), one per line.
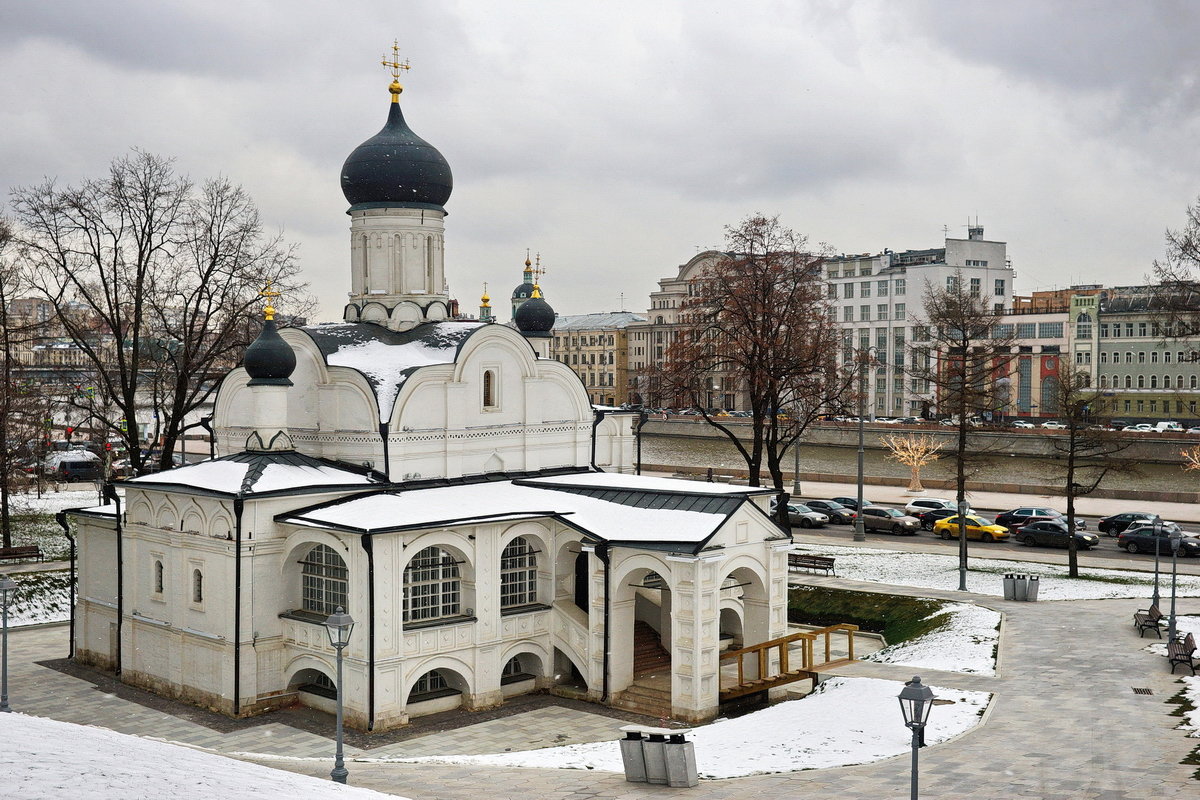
(596, 348)
(879, 303)
(1146, 373)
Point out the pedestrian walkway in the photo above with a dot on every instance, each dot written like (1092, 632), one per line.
(1064, 724)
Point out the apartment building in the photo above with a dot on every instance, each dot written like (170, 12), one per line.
(596, 348)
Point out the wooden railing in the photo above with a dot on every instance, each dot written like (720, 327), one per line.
(788, 671)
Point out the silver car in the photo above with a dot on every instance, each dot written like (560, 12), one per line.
(893, 520)
(803, 516)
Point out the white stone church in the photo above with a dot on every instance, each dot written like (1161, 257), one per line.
(447, 483)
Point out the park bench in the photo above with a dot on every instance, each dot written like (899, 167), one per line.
(13, 553)
(803, 561)
(1147, 619)
(1182, 651)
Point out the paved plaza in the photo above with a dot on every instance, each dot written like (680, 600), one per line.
(1064, 723)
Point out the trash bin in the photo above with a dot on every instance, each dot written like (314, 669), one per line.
(1020, 587)
(1010, 586)
(681, 761)
(655, 755)
(631, 754)
(1031, 592)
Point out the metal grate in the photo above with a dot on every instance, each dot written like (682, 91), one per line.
(1140, 690)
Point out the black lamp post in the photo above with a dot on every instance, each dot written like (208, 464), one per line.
(8, 588)
(642, 417)
(915, 703)
(860, 531)
(1157, 547)
(1176, 540)
(339, 625)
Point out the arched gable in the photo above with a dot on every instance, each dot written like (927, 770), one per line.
(299, 542)
(454, 541)
(641, 561)
(531, 648)
(308, 661)
(447, 662)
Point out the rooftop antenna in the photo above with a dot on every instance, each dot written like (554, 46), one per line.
(622, 298)
(945, 231)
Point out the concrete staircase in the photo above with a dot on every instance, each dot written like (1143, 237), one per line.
(650, 692)
(649, 656)
(647, 696)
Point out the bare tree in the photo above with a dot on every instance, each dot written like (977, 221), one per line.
(1191, 457)
(1087, 451)
(962, 354)
(1177, 279)
(758, 321)
(152, 278)
(914, 450)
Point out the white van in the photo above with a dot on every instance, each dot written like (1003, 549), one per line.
(1170, 425)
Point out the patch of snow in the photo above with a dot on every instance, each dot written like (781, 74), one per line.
(1191, 719)
(53, 502)
(966, 642)
(217, 476)
(615, 480)
(845, 721)
(292, 476)
(986, 575)
(45, 759)
(1184, 624)
(41, 597)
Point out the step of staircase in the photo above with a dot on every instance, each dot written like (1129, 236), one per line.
(642, 699)
(648, 652)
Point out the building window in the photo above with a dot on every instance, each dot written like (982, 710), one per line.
(1141, 357)
(1154, 382)
(429, 686)
(1026, 330)
(899, 286)
(864, 289)
(1129, 329)
(975, 287)
(1129, 357)
(432, 588)
(1141, 329)
(1103, 357)
(881, 288)
(323, 581)
(1141, 381)
(197, 587)
(881, 311)
(1166, 356)
(864, 313)
(489, 388)
(832, 291)
(158, 577)
(1103, 330)
(518, 574)
(900, 311)
(1103, 381)
(848, 314)
(1128, 381)
(848, 291)
(513, 671)
(999, 287)
(1153, 356)
(1050, 330)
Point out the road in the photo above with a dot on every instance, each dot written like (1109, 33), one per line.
(1106, 555)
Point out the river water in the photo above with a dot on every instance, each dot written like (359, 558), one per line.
(721, 454)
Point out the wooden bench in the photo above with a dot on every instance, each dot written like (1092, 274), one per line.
(803, 561)
(1147, 619)
(1182, 651)
(13, 553)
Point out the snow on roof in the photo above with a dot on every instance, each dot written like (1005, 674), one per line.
(267, 472)
(386, 358)
(107, 510)
(46, 758)
(421, 508)
(613, 480)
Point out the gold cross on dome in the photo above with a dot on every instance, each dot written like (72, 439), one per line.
(270, 294)
(395, 65)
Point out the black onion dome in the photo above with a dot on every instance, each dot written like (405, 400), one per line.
(534, 316)
(269, 359)
(396, 168)
(523, 291)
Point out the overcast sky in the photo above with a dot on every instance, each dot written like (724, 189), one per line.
(617, 138)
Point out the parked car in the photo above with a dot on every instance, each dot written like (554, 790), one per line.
(928, 504)
(1053, 533)
(929, 518)
(838, 514)
(977, 528)
(1147, 539)
(1141, 427)
(1193, 430)
(1020, 423)
(78, 469)
(802, 515)
(1023, 516)
(1114, 524)
(879, 518)
(852, 502)
(1053, 425)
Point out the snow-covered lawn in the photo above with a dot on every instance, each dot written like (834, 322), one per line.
(1191, 719)
(40, 597)
(846, 721)
(52, 502)
(986, 575)
(1184, 624)
(966, 642)
(47, 760)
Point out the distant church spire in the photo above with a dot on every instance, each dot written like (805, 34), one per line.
(485, 305)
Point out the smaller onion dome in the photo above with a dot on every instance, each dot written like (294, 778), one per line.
(269, 360)
(535, 317)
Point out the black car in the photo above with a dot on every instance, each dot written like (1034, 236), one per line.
(852, 502)
(1053, 533)
(837, 513)
(928, 518)
(1020, 517)
(1119, 522)
(1144, 539)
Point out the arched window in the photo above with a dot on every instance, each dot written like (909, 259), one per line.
(1153, 381)
(1194, 381)
(1179, 381)
(1050, 395)
(197, 586)
(1141, 381)
(1103, 381)
(158, 577)
(1128, 381)
(514, 671)
(430, 685)
(432, 588)
(324, 579)
(518, 574)
(489, 388)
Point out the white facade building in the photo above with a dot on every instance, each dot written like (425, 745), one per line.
(448, 484)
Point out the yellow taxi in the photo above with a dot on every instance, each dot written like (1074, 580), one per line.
(977, 528)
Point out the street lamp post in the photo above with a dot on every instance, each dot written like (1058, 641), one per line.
(642, 417)
(916, 701)
(1176, 540)
(1157, 547)
(860, 532)
(8, 587)
(338, 626)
